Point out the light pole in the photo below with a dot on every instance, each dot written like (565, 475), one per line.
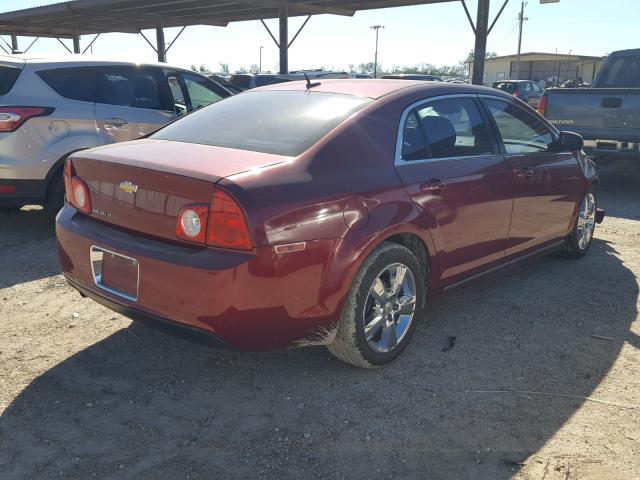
(375, 63)
(260, 66)
(521, 19)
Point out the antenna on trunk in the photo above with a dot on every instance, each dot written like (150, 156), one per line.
(309, 84)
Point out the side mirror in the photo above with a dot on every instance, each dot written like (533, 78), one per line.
(569, 142)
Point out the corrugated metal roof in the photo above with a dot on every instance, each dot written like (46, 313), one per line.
(83, 17)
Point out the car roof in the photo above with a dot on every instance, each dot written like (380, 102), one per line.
(373, 88)
(79, 59)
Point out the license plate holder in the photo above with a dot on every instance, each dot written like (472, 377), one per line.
(115, 273)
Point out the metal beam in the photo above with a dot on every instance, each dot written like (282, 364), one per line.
(76, 43)
(299, 30)
(31, 45)
(480, 50)
(91, 43)
(63, 44)
(175, 38)
(498, 16)
(466, 10)
(270, 33)
(149, 42)
(14, 44)
(284, 37)
(160, 46)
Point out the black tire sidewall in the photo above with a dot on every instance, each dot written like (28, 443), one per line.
(386, 258)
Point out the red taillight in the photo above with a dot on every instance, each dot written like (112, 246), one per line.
(12, 117)
(222, 224)
(76, 189)
(8, 189)
(542, 105)
(517, 94)
(227, 224)
(192, 223)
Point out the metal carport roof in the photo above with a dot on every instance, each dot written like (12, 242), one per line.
(71, 19)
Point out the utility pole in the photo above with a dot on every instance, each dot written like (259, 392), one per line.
(375, 63)
(260, 66)
(521, 19)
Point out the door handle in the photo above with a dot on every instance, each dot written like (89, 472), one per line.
(524, 172)
(432, 186)
(116, 122)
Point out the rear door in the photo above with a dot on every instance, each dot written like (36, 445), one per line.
(451, 167)
(546, 182)
(131, 102)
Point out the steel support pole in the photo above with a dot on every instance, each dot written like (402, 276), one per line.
(76, 44)
(480, 50)
(284, 37)
(160, 46)
(14, 43)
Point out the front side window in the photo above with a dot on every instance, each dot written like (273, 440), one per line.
(78, 83)
(521, 132)
(445, 128)
(278, 122)
(201, 91)
(132, 87)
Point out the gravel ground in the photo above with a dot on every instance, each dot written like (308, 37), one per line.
(542, 382)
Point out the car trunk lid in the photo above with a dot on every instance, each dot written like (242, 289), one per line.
(142, 185)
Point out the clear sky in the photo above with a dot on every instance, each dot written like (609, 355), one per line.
(438, 34)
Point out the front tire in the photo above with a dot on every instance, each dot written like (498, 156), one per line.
(581, 236)
(380, 314)
(55, 195)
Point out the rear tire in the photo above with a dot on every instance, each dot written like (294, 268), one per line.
(380, 314)
(55, 195)
(584, 227)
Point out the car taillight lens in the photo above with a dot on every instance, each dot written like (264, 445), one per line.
(192, 223)
(542, 105)
(12, 117)
(222, 224)
(227, 224)
(79, 195)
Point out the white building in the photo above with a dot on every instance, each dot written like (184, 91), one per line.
(549, 68)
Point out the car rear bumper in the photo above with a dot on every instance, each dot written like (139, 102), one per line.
(249, 301)
(22, 192)
(612, 148)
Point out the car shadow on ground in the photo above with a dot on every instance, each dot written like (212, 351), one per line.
(27, 246)
(140, 404)
(619, 185)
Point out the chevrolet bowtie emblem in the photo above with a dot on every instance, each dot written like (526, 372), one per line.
(128, 187)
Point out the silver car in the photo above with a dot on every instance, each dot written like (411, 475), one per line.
(52, 108)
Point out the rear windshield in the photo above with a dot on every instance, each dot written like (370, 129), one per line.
(278, 122)
(621, 72)
(505, 86)
(8, 76)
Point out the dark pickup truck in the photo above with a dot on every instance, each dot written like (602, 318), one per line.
(607, 115)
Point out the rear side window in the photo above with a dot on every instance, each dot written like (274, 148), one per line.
(506, 87)
(445, 128)
(278, 122)
(132, 87)
(621, 72)
(77, 83)
(8, 77)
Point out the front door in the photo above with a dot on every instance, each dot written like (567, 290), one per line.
(451, 167)
(131, 102)
(546, 182)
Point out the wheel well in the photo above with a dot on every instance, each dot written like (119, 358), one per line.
(417, 247)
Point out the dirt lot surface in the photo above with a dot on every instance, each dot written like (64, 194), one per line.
(542, 382)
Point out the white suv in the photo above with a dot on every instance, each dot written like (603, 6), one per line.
(52, 108)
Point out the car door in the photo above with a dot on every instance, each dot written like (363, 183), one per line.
(546, 182)
(131, 102)
(451, 167)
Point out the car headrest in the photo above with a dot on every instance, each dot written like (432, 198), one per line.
(441, 135)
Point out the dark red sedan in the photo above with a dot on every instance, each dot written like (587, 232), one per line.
(322, 214)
